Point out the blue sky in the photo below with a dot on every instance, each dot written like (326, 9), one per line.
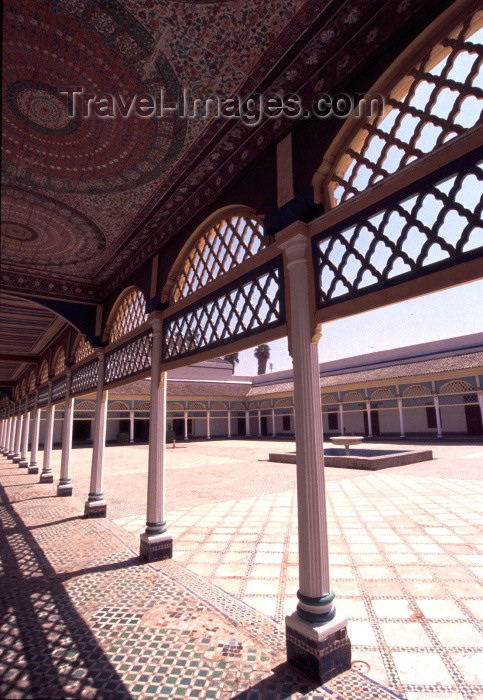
(450, 313)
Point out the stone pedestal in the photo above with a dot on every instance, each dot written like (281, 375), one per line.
(33, 468)
(46, 478)
(64, 489)
(23, 463)
(319, 651)
(95, 509)
(156, 547)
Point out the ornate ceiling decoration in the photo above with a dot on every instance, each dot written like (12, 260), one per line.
(88, 199)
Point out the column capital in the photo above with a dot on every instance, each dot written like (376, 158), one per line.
(155, 318)
(295, 248)
(296, 228)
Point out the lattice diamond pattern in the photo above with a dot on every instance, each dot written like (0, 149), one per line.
(219, 248)
(438, 98)
(439, 224)
(31, 401)
(131, 314)
(129, 359)
(44, 372)
(59, 388)
(43, 396)
(254, 306)
(59, 362)
(83, 350)
(85, 378)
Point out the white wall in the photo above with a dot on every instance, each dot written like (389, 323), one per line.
(389, 421)
(453, 419)
(354, 422)
(415, 420)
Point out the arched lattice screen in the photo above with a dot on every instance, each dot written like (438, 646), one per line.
(23, 388)
(43, 372)
(437, 99)
(59, 362)
(456, 387)
(220, 247)
(416, 390)
(31, 381)
(130, 314)
(83, 350)
(381, 394)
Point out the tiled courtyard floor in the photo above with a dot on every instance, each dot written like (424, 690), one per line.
(404, 566)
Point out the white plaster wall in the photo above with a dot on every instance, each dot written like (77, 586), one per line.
(354, 422)
(199, 427)
(453, 419)
(112, 430)
(415, 420)
(218, 426)
(389, 421)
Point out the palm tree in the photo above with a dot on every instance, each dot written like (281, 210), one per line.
(262, 353)
(233, 359)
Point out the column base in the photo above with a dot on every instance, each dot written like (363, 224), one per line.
(156, 547)
(46, 478)
(319, 651)
(10, 455)
(33, 469)
(64, 489)
(95, 509)
(23, 463)
(16, 459)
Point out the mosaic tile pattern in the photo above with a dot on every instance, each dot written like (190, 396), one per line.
(83, 618)
(405, 553)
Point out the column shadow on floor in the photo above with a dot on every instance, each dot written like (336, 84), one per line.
(47, 649)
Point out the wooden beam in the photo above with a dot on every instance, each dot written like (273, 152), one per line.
(19, 357)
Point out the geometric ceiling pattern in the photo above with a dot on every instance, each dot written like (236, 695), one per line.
(88, 198)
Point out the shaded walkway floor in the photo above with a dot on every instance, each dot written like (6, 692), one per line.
(82, 618)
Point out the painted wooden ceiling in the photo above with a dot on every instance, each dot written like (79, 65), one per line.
(86, 199)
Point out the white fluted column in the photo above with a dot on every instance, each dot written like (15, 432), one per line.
(10, 437)
(96, 506)
(131, 427)
(438, 416)
(341, 418)
(18, 436)
(229, 423)
(369, 419)
(480, 401)
(247, 423)
(274, 434)
(185, 419)
(3, 425)
(25, 438)
(259, 417)
(156, 543)
(34, 446)
(208, 425)
(46, 476)
(64, 487)
(313, 631)
(6, 429)
(401, 417)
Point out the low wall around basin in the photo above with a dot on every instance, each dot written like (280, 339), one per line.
(374, 462)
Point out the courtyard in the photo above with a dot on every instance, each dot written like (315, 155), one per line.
(404, 562)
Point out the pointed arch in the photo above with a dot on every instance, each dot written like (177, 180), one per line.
(23, 388)
(223, 241)
(82, 349)
(31, 381)
(430, 96)
(43, 372)
(58, 364)
(353, 397)
(128, 313)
